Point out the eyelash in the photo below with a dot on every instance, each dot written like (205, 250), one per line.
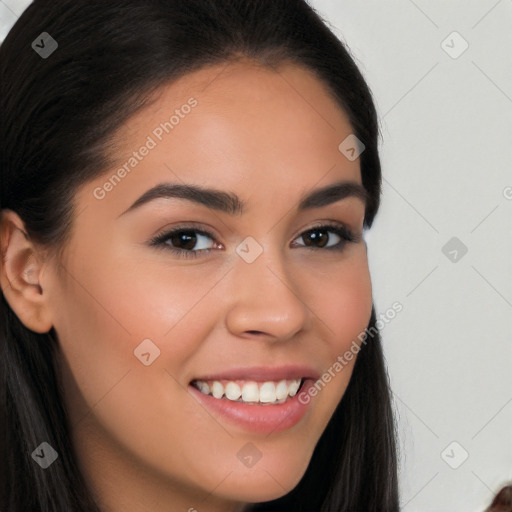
(342, 231)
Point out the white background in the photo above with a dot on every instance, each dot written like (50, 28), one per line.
(447, 162)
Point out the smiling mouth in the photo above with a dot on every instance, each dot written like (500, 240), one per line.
(250, 391)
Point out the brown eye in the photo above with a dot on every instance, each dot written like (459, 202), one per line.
(318, 237)
(183, 241)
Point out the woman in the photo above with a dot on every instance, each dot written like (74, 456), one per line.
(139, 371)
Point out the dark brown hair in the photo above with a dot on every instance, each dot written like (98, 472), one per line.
(502, 502)
(59, 117)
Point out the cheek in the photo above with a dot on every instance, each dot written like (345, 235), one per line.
(344, 301)
(344, 308)
(123, 301)
(103, 317)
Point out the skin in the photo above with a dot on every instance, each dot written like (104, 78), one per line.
(142, 440)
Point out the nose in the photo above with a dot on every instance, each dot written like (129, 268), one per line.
(265, 299)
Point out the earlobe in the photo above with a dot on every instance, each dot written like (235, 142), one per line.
(20, 274)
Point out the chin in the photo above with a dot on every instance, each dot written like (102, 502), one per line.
(261, 488)
(266, 482)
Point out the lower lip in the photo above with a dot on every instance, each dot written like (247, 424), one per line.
(258, 418)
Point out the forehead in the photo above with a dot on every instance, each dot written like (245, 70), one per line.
(234, 126)
(243, 93)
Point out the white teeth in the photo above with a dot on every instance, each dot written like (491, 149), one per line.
(233, 391)
(269, 392)
(203, 387)
(282, 390)
(250, 392)
(217, 389)
(294, 387)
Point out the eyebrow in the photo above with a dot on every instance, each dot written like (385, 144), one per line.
(230, 203)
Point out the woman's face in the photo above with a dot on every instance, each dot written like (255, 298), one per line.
(252, 298)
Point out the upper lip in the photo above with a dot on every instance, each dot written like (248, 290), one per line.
(263, 373)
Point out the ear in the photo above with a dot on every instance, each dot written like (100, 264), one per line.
(20, 274)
